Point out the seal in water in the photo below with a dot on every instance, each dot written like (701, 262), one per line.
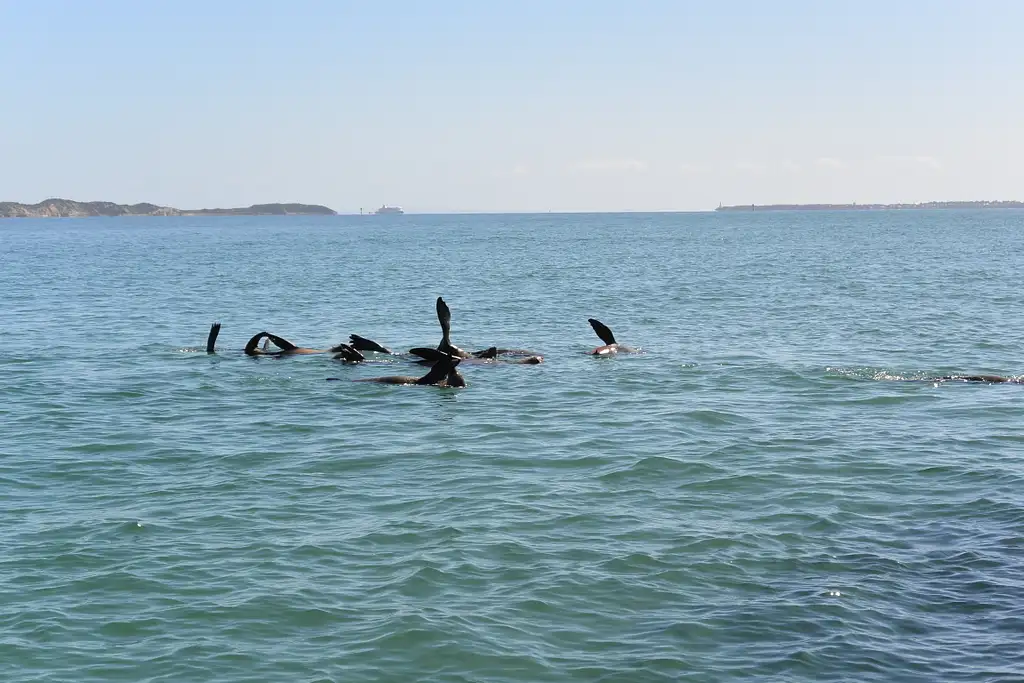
(445, 373)
(444, 317)
(610, 345)
(490, 355)
(494, 352)
(991, 379)
(285, 346)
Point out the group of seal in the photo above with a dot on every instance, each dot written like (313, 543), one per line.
(443, 360)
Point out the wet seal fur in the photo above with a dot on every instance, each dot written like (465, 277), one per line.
(443, 374)
(989, 379)
(286, 347)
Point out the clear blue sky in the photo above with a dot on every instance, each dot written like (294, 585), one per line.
(514, 106)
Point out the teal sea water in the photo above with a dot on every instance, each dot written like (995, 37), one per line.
(773, 491)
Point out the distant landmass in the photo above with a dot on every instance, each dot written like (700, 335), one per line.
(66, 208)
(872, 207)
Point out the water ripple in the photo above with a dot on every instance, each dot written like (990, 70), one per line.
(770, 492)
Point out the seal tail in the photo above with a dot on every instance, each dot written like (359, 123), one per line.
(211, 340)
(602, 331)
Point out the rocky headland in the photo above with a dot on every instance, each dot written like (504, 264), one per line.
(66, 208)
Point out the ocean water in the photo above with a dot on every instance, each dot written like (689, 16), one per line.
(772, 491)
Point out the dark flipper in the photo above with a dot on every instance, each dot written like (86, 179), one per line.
(364, 344)
(602, 331)
(348, 354)
(251, 345)
(488, 353)
(444, 316)
(211, 341)
(440, 371)
(432, 355)
(281, 343)
(453, 350)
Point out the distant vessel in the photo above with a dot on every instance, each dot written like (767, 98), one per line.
(388, 209)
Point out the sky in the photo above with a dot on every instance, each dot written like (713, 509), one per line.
(532, 105)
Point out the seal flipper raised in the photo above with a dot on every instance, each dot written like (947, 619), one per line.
(211, 339)
(363, 344)
(611, 346)
(428, 355)
(602, 331)
(444, 316)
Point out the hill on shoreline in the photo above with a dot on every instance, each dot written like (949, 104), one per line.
(67, 208)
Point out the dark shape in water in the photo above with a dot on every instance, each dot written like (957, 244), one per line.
(364, 344)
(444, 373)
(610, 345)
(211, 340)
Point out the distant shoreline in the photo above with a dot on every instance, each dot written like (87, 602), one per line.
(873, 207)
(67, 208)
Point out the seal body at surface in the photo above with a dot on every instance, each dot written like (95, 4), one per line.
(491, 354)
(286, 347)
(990, 379)
(444, 373)
(487, 356)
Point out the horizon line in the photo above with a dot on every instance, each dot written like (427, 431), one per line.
(781, 206)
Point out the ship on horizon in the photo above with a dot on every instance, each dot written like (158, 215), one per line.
(385, 209)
